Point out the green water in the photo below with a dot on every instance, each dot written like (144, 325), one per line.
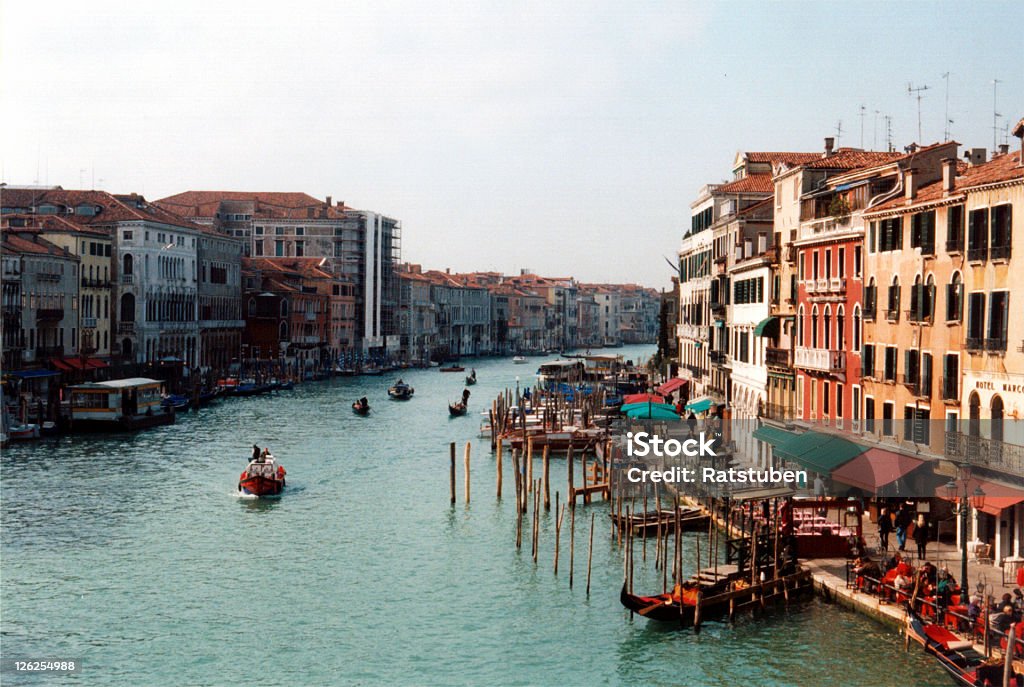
(135, 554)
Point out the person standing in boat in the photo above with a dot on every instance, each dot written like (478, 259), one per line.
(255, 452)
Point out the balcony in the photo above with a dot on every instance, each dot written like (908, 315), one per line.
(88, 323)
(719, 357)
(824, 226)
(126, 328)
(127, 278)
(915, 385)
(999, 253)
(717, 308)
(955, 245)
(977, 254)
(995, 345)
(778, 357)
(50, 314)
(306, 339)
(837, 285)
(46, 276)
(820, 359)
(975, 344)
(695, 371)
(950, 387)
(986, 453)
(310, 317)
(892, 314)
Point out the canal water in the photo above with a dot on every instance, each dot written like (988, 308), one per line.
(135, 555)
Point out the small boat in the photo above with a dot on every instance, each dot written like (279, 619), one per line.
(471, 378)
(23, 432)
(208, 396)
(454, 367)
(401, 391)
(648, 524)
(519, 360)
(179, 402)
(958, 657)
(286, 386)
(372, 371)
(361, 407)
(459, 409)
(49, 429)
(262, 477)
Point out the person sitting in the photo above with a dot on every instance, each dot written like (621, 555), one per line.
(1002, 620)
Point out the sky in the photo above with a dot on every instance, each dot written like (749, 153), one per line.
(568, 138)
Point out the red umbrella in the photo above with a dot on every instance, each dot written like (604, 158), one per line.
(643, 398)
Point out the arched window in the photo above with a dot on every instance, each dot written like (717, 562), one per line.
(955, 298)
(801, 327)
(893, 301)
(856, 327)
(840, 328)
(928, 307)
(814, 327)
(997, 418)
(827, 328)
(127, 307)
(283, 331)
(252, 307)
(128, 264)
(974, 424)
(284, 308)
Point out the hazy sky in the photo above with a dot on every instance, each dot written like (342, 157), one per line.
(565, 137)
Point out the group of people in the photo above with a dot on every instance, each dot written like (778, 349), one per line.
(896, 573)
(261, 456)
(900, 521)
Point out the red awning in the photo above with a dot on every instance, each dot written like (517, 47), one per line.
(672, 384)
(96, 363)
(60, 364)
(78, 363)
(875, 468)
(998, 496)
(642, 398)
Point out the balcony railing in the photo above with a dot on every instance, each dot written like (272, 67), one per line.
(716, 307)
(950, 387)
(778, 411)
(50, 314)
(892, 314)
(977, 254)
(694, 370)
(987, 453)
(955, 245)
(719, 357)
(917, 385)
(310, 317)
(995, 345)
(999, 253)
(127, 278)
(47, 276)
(779, 357)
(975, 344)
(88, 323)
(820, 359)
(837, 285)
(126, 328)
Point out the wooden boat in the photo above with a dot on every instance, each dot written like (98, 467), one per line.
(958, 657)
(208, 396)
(371, 371)
(262, 477)
(401, 392)
(361, 407)
(178, 402)
(717, 591)
(453, 368)
(519, 360)
(647, 524)
(286, 386)
(471, 379)
(49, 428)
(23, 432)
(459, 409)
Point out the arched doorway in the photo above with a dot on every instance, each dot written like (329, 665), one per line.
(997, 418)
(128, 307)
(126, 349)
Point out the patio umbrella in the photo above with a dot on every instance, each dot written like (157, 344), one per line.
(654, 412)
(643, 398)
(633, 406)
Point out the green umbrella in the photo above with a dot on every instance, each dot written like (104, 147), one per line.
(633, 406)
(653, 413)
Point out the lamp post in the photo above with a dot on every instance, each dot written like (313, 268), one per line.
(959, 492)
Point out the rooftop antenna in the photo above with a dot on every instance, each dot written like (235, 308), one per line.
(874, 145)
(888, 133)
(945, 133)
(917, 91)
(839, 132)
(995, 114)
(862, 111)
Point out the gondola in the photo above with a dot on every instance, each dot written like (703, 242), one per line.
(459, 409)
(958, 657)
(471, 378)
(401, 391)
(361, 407)
(454, 367)
(177, 401)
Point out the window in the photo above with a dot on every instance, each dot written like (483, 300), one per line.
(997, 321)
(888, 409)
(856, 403)
(827, 338)
(869, 414)
(950, 377)
(856, 327)
(867, 361)
(999, 243)
(977, 235)
(828, 264)
(975, 321)
(300, 249)
(839, 400)
(279, 231)
(814, 327)
(300, 231)
(857, 261)
(279, 248)
(801, 328)
(126, 235)
(826, 389)
(922, 232)
(892, 312)
(870, 300)
(258, 247)
(841, 263)
(891, 234)
(872, 236)
(955, 229)
(955, 299)
(890, 363)
(258, 231)
(814, 265)
(840, 329)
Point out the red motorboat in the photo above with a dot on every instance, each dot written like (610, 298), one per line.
(262, 477)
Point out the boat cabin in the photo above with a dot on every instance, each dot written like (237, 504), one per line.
(560, 372)
(131, 403)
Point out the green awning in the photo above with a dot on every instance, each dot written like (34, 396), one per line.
(820, 452)
(769, 326)
(778, 438)
(655, 412)
(700, 405)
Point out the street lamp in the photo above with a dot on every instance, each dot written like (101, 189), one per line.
(963, 502)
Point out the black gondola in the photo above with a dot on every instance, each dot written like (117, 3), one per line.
(958, 657)
(401, 391)
(460, 408)
(471, 378)
(361, 407)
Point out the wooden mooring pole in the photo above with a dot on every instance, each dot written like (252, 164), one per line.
(590, 552)
(466, 461)
(451, 476)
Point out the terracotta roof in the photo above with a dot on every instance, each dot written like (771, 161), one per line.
(51, 224)
(1002, 168)
(752, 183)
(789, 158)
(16, 243)
(272, 204)
(111, 207)
(851, 158)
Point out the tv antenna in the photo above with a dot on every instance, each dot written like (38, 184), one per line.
(945, 133)
(995, 115)
(888, 132)
(874, 145)
(839, 132)
(863, 110)
(911, 90)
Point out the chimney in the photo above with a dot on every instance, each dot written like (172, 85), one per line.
(948, 174)
(975, 156)
(328, 201)
(1004, 148)
(910, 183)
(829, 145)
(447, 270)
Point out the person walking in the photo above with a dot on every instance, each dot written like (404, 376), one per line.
(921, 536)
(903, 521)
(884, 528)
